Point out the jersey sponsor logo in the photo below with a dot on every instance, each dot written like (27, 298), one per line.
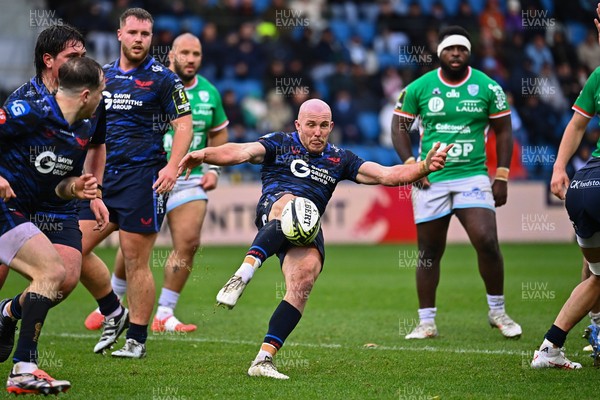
(157, 68)
(300, 168)
(204, 96)
(146, 222)
(182, 104)
(450, 128)
(18, 108)
(453, 94)
(459, 150)
(143, 84)
(128, 77)
(2, 116)
(475, 193)
(436, 91)
(473, 89)
(335, 160)
(48, 162)
(470, 106)
(577, 184)
(120, 101)
(435, 104)
(82, 142)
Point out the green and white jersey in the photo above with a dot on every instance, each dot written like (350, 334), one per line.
(207, 116)
(454, 113)
(588, 101)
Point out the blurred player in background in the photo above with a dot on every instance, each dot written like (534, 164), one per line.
(59, 127)
(457, 105)
(302, 164)
(57, 219)
(143, 98)
(582, 197)
(187, 202)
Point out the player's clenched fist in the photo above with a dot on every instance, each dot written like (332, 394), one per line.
(6, 192)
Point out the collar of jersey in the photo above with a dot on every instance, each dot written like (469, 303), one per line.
(144, 65)
(40, 88)
(445, 82)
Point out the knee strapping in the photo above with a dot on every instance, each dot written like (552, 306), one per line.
(594, 267)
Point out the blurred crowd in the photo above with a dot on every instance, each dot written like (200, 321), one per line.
(266, 57)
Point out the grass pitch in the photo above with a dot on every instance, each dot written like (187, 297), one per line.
(365, 295)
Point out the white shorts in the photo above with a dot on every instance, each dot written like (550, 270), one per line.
(442, 198)
(184, 192)
(12, 241)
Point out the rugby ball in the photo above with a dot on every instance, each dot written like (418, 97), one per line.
(300, 221)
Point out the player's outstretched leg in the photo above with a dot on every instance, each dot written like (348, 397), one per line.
(267, 242)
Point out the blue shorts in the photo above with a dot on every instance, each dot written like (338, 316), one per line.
(132, 203)
(262, 214)
(582, 199)
(60, 228)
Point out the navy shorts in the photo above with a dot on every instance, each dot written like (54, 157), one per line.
(582, 200)
(132, 203)
(262, 214)
(60, 228)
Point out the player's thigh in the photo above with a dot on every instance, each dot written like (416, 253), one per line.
(3, 274)
(479, 223)
(71, 259)
(185, 222)
(136, 248)
(277, 207)
(91, 238)
(37, 259)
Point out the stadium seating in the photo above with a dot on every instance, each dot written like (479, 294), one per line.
(167, 23)
(368, 125)
(192, 24)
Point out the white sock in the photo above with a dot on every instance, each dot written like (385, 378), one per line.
(6, 314)
(551, 346)
(118, 311)
(496, 303)
(427, 315)
(168, 298)
(163, 312)
(23, 367)
(262, 354)
(119, 286)
(595, 317)
(246, 271)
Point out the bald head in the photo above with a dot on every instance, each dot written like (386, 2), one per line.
(186, 39)
(314, 106)
(185, 57)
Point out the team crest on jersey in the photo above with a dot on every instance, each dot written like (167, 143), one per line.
(18, 108)
(143, 84)
(156, 68)
(436, 104)
(473, 89)
(204, 96)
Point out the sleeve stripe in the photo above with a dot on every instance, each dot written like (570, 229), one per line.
(582, 112)
(499, 114)
(404, 114)
(221, 126)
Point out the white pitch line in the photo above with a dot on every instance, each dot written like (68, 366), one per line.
(185, 338)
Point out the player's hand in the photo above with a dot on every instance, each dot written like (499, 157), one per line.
(209, 181)
(559, 183)
(85, 187)
(596, 22)
(436, 158)
(500, 192)
(100, 212)
(166, 179)
(190, 161)
(6, 192)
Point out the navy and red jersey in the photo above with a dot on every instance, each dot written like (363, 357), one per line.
(34, 90)
(289, 167)
(39, 149)
(140, 105)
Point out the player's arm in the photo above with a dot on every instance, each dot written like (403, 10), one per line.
(401, 138)
(224, 155)
(95, 161)
(215, 138)
(182, 138)
(6, 192)
(82, 187)
(504, 145)
(568, 146)
(371, 173)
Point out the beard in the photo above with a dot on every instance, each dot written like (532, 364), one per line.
(454, 74)
(180, 71)
(135, 58)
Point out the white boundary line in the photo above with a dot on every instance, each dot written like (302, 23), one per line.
(180, 337)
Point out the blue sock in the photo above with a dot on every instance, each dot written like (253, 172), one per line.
(282, 323)
(35, 309)
(137, 332)
(15, 307)
(109, 303)
(556, 335)
(267, 241)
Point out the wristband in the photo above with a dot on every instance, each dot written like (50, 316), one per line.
(424, 169)
(215, 169)
(410, 160)
(502, 174)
